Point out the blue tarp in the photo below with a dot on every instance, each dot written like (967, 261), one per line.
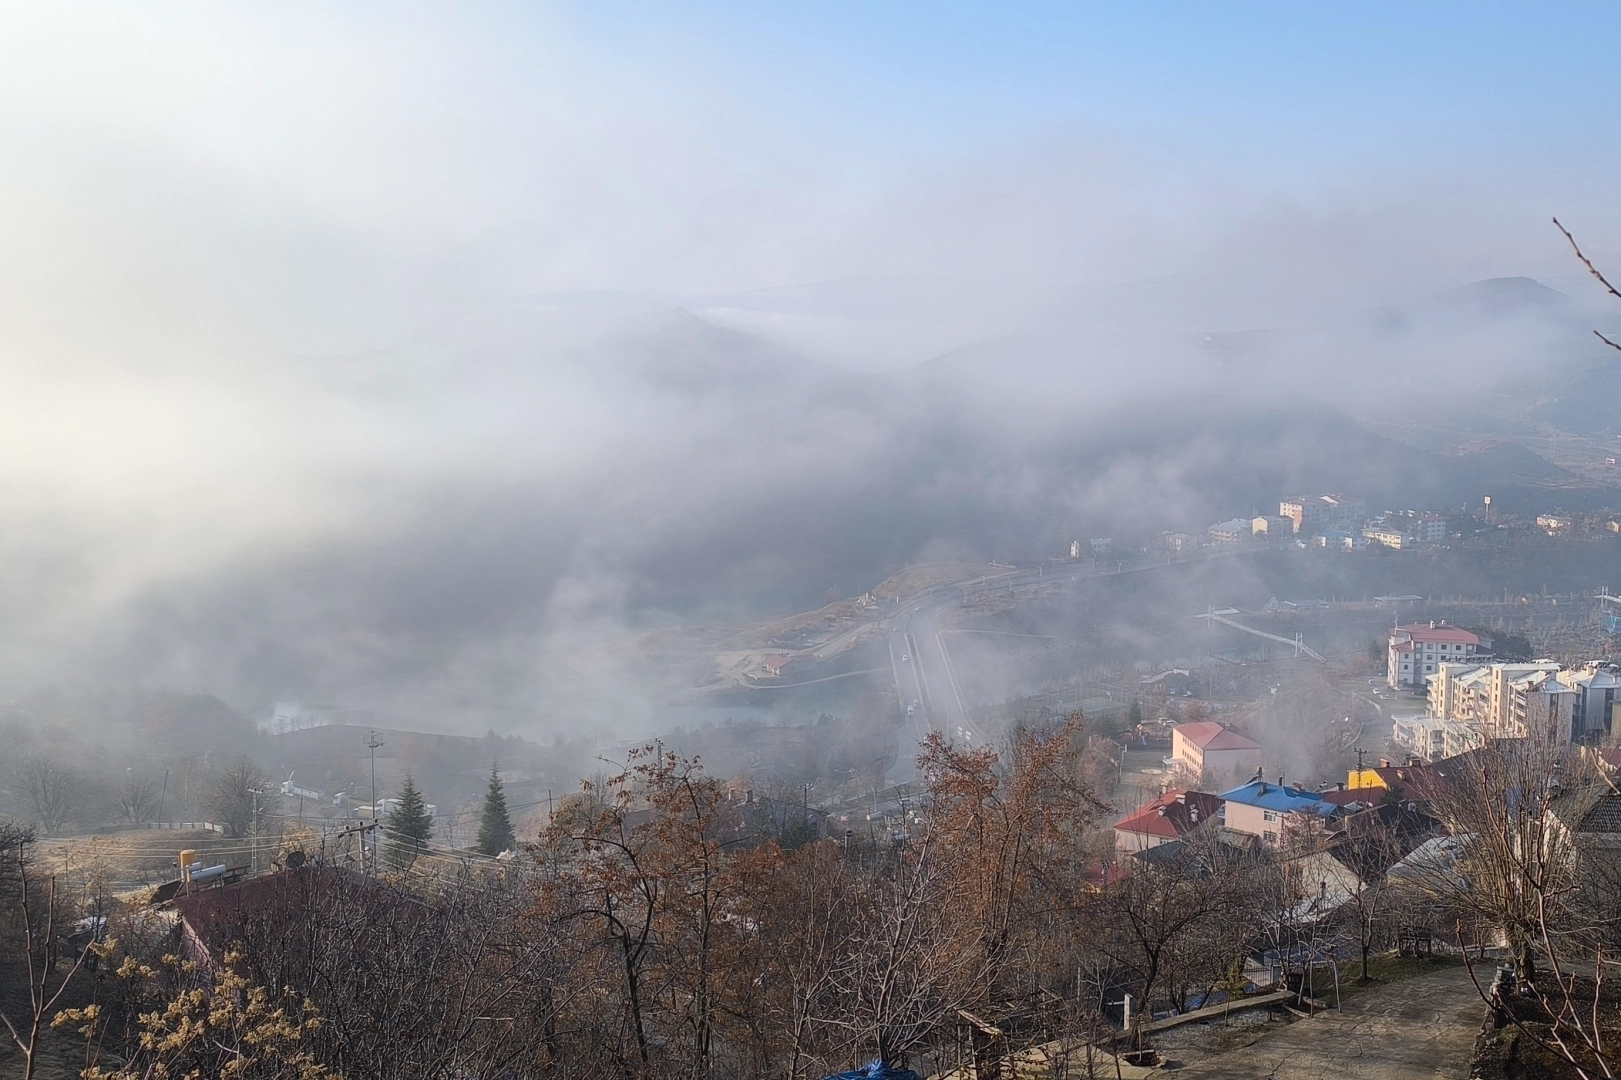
(876, 1070)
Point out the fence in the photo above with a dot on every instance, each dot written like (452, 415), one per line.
(184, 826)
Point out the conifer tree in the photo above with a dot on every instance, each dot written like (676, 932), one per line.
(409, 827)
(495, 833)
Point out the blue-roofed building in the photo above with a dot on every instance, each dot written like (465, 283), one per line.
(1260, 807)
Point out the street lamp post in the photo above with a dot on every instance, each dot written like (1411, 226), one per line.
(372, 743)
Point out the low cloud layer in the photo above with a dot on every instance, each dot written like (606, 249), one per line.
(390, 360)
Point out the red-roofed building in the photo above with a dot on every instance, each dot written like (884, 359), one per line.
(1344, 797)
(775, 665)
(1207, 747)
(1415, 652)
(1170, 817)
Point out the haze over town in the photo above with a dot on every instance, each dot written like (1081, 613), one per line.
(387, 392)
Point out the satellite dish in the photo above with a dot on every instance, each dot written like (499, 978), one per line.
(295, 859)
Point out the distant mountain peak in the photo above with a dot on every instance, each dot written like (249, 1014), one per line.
(1521, 291)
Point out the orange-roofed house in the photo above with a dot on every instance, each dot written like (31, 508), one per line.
(1208, 748)
(1170, 817)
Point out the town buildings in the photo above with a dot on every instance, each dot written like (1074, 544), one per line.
(1264, 809)
(1472, 704)
(1414, 652)
(1403, 529)
(1179, 543)
(1207, 748)
(1505, 701)
(1324, 513)
(1235, 531)
(1435, 737)
(1167, 819)
(1388, 536)
(1597, 706)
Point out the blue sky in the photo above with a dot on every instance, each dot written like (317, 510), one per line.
(374, 154)
(1265, 86)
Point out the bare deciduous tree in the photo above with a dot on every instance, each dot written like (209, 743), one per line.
(41, 950)
(137, 799)
(56, 792)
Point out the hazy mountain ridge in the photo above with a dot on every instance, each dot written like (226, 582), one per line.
(634, 466)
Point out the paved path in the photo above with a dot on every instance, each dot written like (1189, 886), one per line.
(1416, 1029)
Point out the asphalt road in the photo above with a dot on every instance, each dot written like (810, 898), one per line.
(921, 662)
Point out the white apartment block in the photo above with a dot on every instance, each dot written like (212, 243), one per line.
(1597, 706)
(1406, 529)
(1317, 513)
(1430, 529)
(1415, 652)
(1506, 701)
(1387, 537)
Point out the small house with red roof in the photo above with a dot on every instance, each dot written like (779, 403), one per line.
(776, 664)
(1168, 818)
(1207, 747)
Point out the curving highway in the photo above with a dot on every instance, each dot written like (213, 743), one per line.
(926, 682)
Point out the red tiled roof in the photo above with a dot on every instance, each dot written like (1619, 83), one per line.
(1212, 736)
(1103, 875)
(1365, 796)
(1173, 814)
(217, 915)
(1452, 635)
(777, 663)
(1419, 783)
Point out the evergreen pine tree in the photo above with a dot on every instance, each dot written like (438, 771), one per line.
(409, 826)
(495, 833)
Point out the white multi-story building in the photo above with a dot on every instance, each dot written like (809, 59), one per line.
(1406, 529)
(1316, 513)
(1385, 536)
(1434, 737)
(1430, 529)
(1597, 705)
(1415, 652)
(1506, 701)
(1235, 531)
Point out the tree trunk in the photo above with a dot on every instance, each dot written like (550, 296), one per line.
(634, 992)
(1526, 962)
